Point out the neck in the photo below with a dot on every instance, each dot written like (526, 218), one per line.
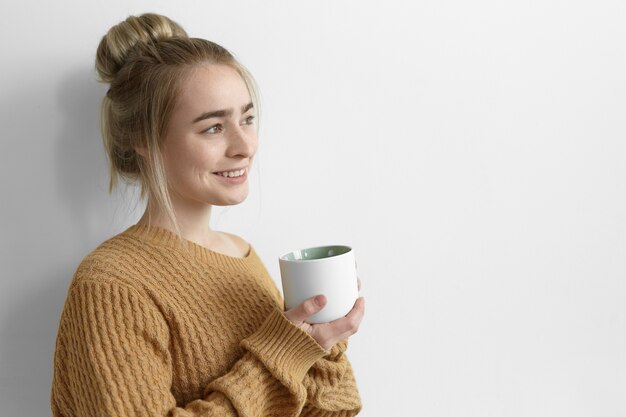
(193, 220)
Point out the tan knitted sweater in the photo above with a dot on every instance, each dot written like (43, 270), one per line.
(148, 329)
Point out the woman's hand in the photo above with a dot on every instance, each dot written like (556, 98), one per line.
(327, 334)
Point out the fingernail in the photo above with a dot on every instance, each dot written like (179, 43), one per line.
(318, 300)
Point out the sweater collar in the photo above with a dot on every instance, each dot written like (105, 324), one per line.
(164, 237)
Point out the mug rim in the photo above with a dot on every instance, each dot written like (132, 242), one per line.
(283, 257)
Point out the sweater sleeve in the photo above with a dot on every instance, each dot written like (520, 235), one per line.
(112, 359)
(330, 384)
(331, 387)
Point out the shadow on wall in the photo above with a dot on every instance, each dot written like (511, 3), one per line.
(81, 163)
(27, 346)
(28, 330)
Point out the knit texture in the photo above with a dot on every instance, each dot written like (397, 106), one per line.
(153, 328)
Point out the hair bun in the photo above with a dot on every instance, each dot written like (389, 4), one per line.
(121, 38)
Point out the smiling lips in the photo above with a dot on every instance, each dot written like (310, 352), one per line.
(232, 174)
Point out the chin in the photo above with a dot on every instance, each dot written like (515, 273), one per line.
(230, 201)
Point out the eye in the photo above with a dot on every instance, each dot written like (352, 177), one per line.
(212, 127)
(249, 120)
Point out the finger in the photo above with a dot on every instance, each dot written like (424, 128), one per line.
(307, 308)
(349, 324)
(358, 311)
(359, 282)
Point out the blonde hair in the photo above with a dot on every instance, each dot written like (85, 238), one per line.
(145, 59)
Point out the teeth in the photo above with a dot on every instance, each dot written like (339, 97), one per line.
(232, 174)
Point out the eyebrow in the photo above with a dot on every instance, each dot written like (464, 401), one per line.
(221, 113)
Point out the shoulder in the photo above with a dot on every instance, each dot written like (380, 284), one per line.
(117, 259)
(238, 244)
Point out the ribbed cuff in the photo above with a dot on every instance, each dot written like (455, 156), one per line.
(283, 347)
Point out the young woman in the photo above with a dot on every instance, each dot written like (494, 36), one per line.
(170, 318)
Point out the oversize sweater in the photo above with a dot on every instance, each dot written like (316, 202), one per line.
(152, 328)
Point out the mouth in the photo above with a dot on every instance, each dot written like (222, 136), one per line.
(232, 173)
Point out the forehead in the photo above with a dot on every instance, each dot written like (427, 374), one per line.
(212, 87)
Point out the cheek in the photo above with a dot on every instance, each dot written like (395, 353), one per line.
(201, 164)
(192, 161)
(176, 165)
(184, 163)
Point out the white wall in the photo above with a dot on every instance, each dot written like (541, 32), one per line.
(472, 153)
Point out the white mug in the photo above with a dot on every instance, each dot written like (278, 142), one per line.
(328, 270)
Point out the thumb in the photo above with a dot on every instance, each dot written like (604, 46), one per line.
(306, 309)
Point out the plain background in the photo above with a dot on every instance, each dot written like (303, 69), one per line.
(472, 152)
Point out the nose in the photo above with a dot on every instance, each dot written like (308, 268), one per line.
(242, 142)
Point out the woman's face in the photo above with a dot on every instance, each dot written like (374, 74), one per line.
(211, 134)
